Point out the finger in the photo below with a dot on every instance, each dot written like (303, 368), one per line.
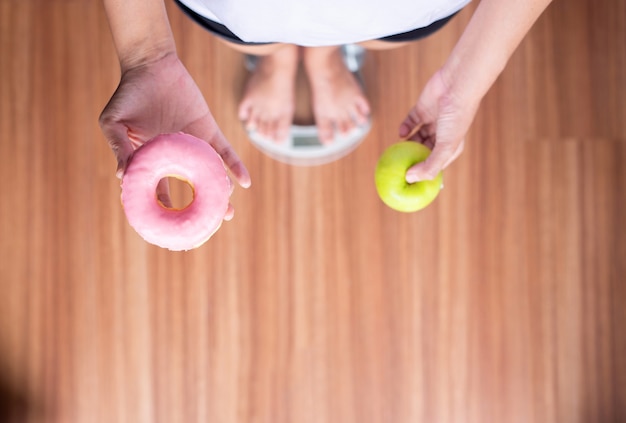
(409, 124)
(207, 130)
(426, 132)
(230, 213)
(429, 168)
(116, 135)
(163, 193)
(425, 135)
(234, 164)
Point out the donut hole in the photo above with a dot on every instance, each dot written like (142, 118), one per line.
(181, 192)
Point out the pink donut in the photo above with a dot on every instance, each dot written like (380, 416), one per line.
(189, 159)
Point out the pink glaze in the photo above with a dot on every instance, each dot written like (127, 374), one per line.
(188, 158)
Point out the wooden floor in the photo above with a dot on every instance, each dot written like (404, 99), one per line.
(504, 301)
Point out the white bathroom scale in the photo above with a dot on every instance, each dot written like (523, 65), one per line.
(303, 146)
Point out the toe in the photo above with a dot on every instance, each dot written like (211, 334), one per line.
(325, 130)
(362, 110)
(245, 109)
(264, 127)
(252, 122)
(283, 128)
(272, 129)
(346, 123)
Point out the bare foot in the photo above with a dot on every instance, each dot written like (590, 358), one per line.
(268, 103)
(338, 100)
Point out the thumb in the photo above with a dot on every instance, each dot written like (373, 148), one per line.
(116, 134)
(429, 168)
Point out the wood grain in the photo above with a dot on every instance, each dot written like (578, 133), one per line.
(501, 302)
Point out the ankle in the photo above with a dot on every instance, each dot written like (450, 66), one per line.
(285, 58)
(321, 57)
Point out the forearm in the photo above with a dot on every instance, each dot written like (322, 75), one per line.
(492, 35)
(141, 30)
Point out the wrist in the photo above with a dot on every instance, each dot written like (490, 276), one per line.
(490, 38)
(145, 53)
(141, 31)
(470, 72)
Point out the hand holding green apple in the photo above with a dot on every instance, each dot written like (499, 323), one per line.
(390, 178)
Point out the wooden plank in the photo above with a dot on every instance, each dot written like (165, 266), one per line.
(502, 301)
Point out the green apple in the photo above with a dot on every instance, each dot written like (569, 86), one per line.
(390, 175)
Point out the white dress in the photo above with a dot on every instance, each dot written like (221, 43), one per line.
(322, 22)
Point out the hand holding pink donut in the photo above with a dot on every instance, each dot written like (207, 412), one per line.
(187, 158)
(156, 97)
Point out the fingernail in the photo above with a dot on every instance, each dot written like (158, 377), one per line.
(245, 183)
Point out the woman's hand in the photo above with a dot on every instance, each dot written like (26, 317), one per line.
(448, 104)
(159, 96)
(439, 120)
